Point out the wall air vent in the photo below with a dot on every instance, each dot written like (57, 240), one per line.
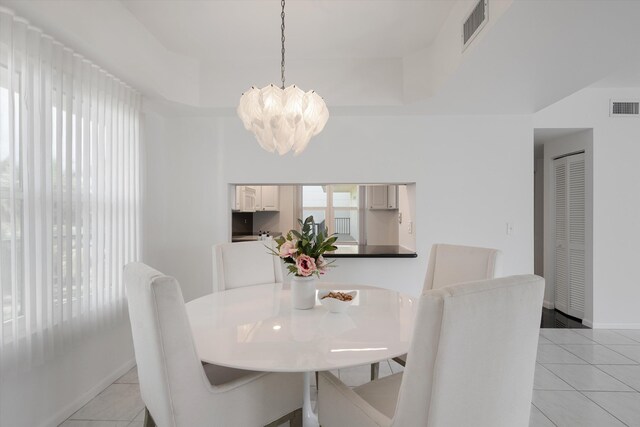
(475, 22)
(624, 108)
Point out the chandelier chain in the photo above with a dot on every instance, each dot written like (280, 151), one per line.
(282, 31)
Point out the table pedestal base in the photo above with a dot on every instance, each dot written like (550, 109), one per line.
(309, 417)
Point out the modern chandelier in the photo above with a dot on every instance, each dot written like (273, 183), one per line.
(283, 119)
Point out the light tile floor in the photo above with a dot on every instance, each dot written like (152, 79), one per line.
(584, 378)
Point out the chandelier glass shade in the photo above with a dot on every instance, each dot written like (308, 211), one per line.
(283, 119)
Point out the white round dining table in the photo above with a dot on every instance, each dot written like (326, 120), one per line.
(255, 328)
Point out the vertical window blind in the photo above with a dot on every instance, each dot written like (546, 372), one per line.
(69, 194)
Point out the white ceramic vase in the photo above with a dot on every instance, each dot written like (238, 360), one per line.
(303, 292)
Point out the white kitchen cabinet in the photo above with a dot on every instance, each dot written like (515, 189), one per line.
(380, 197)
(237, 201)
(270, 198)
(258, 192)
(392, 197)
(246, 198)
(257, 198)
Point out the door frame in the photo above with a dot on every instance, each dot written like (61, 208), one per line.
(568, 141)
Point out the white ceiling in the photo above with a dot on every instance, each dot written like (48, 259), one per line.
(625, 77)
(363, 57)
(223, 30)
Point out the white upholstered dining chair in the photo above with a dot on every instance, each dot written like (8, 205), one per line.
(177, 389)
(451, 264)
(472, 361)
(245, 264)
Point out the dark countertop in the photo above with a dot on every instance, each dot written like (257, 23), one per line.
(251, 237)
(257, 233)
(371, 251)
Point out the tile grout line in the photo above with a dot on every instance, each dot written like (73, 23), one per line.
(632, 388)
(604, 409)
(543, 414)
(596, 403)
(637, 362)
(619, 333)
(582, 392)
(606, 373)
(555, 375)
(608, 330)
(601, 345)
(586, 361)
(568, 329)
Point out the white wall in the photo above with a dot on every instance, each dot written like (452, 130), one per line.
(426, 70)
(616, 199)
(47, 394)
(183, 208)
(381, 226)
(472, 174)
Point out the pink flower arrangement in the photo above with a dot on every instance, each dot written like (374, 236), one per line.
(288, 249)
(302, 250)
(306, 265)
(322, 265)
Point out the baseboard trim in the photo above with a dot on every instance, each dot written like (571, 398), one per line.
(600, 325)
(548, 304)
(83, 399)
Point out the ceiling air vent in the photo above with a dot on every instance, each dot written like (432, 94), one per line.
(624, 108)
(474, 22)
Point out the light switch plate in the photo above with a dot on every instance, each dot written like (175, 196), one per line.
(509, 228)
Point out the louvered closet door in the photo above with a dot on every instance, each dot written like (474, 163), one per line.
(561, 236)
(576, 191)
(570, 234)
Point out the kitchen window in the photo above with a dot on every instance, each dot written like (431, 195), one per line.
(335, 209)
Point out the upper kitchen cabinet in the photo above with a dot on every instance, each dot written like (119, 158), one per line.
(257, 198)
(245, 200)
(269, 198)
(382, 197)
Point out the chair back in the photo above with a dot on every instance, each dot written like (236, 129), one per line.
(450, 264)
(171, 376)
(245, 264)
(473, 355)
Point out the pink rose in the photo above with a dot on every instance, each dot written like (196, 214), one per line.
(288, 249)
(322, 264)
(306, 265)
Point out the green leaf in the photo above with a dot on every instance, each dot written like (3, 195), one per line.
(296, 234)
(271, 251)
